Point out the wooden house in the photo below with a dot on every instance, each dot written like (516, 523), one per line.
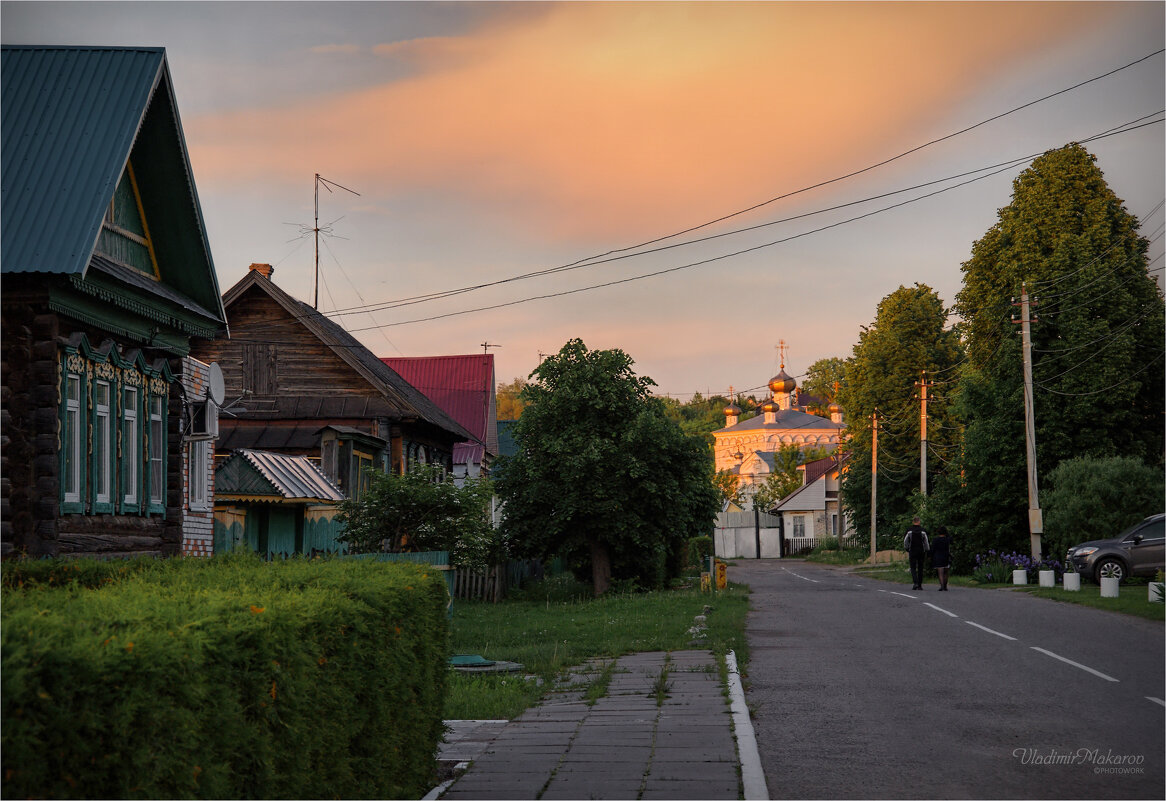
(464, 387)
(299, 384)
(107, 282)
(814, 510)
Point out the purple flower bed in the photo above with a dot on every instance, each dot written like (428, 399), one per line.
(995, 567)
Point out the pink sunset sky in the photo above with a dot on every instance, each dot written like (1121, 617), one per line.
(491, 140)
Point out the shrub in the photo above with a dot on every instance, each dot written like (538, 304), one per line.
(1093, 499)
(222, 678)
(990, 568)
(699, 550)
(995, 567)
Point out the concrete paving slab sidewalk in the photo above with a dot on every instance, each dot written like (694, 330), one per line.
(627, 745)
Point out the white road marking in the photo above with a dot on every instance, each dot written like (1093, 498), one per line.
(905, 595)
(803, 578)
(990, 631)
(1157, 701)
(937, 609)
(1074, 664)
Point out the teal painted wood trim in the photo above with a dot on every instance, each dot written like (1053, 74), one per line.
(323, 536)
(226, 538)
(139, 302)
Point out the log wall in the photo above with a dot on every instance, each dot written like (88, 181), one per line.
(31, 523)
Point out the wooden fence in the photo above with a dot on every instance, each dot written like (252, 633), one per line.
(479, 585)
(491, 584)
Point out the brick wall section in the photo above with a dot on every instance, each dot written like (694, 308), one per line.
(198, 525)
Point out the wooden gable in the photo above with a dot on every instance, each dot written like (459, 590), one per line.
(272, 354)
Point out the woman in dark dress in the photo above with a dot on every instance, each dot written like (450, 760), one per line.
(941, 556)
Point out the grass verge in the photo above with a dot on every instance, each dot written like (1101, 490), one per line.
(837, 556)
(548, 636)
(1132, 598)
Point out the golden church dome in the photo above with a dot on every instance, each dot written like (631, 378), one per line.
(782, 383)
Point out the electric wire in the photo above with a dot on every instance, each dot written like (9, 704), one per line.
(602, 258)
(1110, 388)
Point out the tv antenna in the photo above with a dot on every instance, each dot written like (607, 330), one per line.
(487, 345)
(326, 229)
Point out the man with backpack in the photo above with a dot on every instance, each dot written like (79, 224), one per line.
(916, 545)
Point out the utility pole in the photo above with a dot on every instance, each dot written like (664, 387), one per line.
(1035, 520)
(874, 482)
(923, 435)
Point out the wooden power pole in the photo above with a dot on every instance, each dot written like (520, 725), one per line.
(923, 435)
(1035, 519)
(874, 483)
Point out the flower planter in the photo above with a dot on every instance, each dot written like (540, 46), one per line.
(1154, 592)
(1109, 587)
(1072, 582)
(1048, 578)
(1019, 576)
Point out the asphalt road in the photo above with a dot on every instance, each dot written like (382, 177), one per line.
(865, 689)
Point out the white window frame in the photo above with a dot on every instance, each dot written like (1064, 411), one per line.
(197, 478)
(131, 446)
(72, 435)
(799, 523)
(103, 443)
(157, 452)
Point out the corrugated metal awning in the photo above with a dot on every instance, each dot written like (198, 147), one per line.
(292, 477)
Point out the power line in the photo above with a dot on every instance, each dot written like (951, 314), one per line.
(886, 161)
(592, 260)
(1145, 367)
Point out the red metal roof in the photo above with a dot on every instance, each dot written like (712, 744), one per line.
(463, 386)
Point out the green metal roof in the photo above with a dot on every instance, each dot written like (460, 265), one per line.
(70, 120)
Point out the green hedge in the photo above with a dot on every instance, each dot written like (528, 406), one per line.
(221, 678)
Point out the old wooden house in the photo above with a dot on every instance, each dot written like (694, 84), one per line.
(107, 281)
(464, 387)
(298, 384)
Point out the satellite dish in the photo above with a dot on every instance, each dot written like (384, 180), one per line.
(215, 390)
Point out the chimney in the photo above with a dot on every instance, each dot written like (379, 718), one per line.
(263, 269)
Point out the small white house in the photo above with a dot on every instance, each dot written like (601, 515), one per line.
(814, 510)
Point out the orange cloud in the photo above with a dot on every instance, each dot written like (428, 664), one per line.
(595, 120)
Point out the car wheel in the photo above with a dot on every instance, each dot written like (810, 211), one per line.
(1110, 568)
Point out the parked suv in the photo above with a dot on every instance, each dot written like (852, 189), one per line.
(1137, 551)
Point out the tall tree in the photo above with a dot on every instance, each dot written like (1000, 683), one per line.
(909, 336)
(601, 475)
(785, 477)
(823, 375)
(509, 401)
(1097, 343)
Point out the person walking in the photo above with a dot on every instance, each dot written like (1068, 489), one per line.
(916, 545)
(941, 556)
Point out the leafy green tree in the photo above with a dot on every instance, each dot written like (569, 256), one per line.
(601, 475)
(822, 376)
(785, 477)
(908, 336)
(701, 416)
(1092, 499)
(728, 485)
(1097, 345)
(423, 510)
